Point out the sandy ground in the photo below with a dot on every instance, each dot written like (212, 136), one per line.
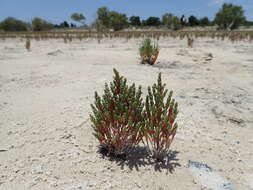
(46, 140)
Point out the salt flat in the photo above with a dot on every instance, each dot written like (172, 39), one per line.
(46, 139)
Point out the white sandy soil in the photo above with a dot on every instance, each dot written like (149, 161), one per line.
(46, 139)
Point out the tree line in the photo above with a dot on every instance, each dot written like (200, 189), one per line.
(229, 16)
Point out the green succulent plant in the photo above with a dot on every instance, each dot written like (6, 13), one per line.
(117, 116)
(148, 52)
(121, 119)
(160, 115)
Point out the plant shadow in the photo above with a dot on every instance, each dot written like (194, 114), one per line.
(138, 157)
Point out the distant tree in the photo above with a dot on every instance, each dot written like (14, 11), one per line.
(153, 21)
(167, 19)
(117, 21)
(13, 24)
(99, 26)
(143, 22)
(110, 19)
(193, 21)
(183, 20)
(229, 16)
(248, 23)
(103, 16)
(73, 25)
(39, 24)
(135, 21)
(176, 23)
(78, 17)
(171, 21)
(56, 26)
(204, 21)
(64, 24)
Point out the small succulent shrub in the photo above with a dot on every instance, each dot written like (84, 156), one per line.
(121, 120)
(190, 41)
(160, 114)
(117, 117)
(65, 39)
(148, 52)
(28, 44)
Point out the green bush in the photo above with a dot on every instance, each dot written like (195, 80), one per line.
(152, 21)
(78, 18)
(11, 24)
(118, 116)
(193, 21)
(171, 21)
(160, 115)
(230, 16)
(148, 52)
(120, 120)
(39, 24)
(135, 21)
(111, 19)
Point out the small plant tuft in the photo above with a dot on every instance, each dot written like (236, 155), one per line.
(190, 41)
(28, 44)
(148, 52)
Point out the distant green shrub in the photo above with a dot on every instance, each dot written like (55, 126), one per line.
(148, 52)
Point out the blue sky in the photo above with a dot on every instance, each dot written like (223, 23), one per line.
(57, 11)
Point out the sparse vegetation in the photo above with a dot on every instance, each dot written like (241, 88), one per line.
(233, 36)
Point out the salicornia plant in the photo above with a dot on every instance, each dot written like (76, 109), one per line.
(148, 52)
(117, 116)
(121, 120)
(160, 114)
